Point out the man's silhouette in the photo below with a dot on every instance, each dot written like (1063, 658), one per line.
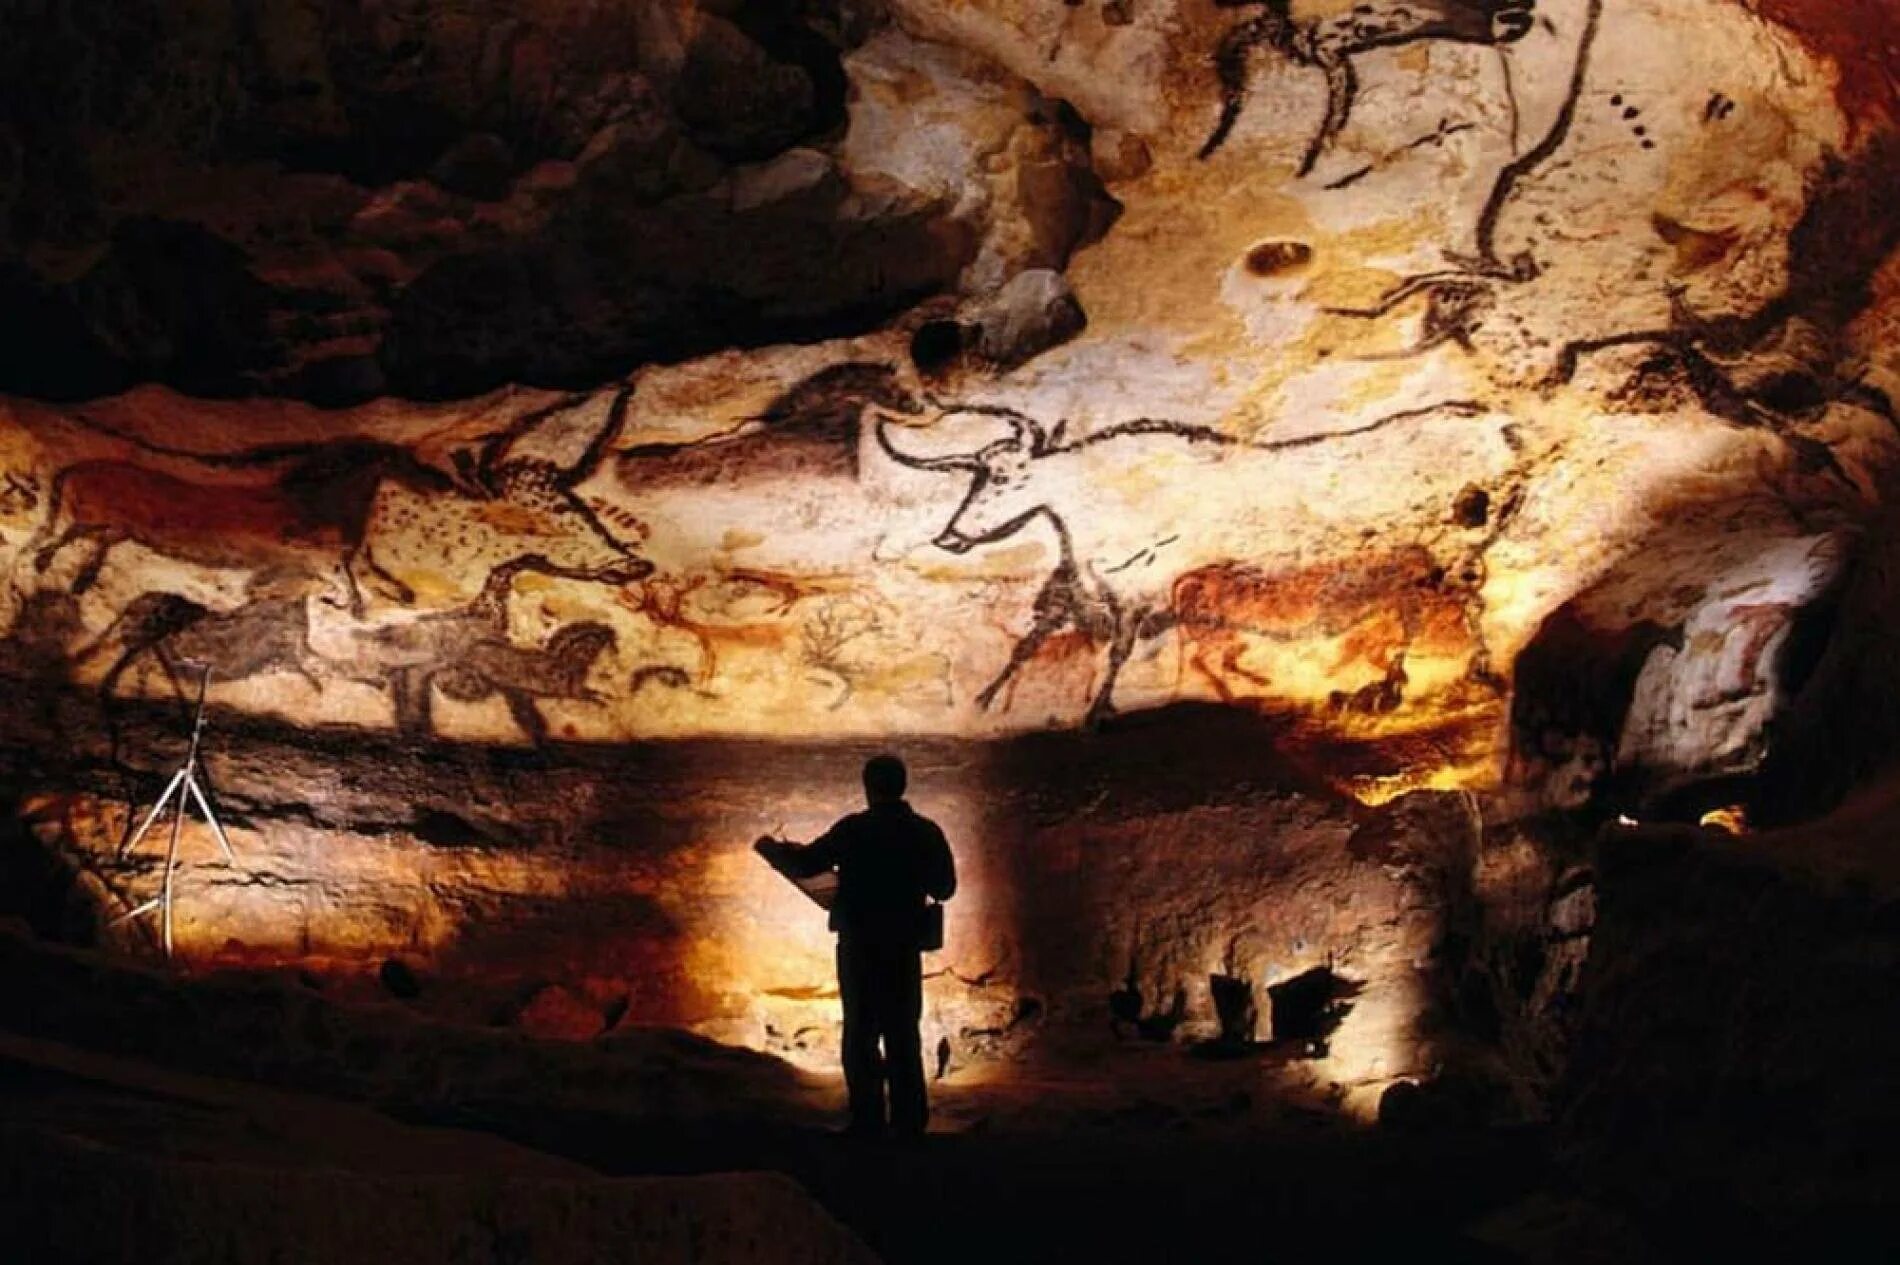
(891, 862)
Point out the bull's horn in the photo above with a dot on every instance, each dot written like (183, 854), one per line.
(963, 463)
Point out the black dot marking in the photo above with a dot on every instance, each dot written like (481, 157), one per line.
(1640, 130)
(1617, 99)
(1649, 144)
(1631, 112)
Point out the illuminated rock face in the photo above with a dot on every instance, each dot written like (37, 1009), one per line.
(1469, 391)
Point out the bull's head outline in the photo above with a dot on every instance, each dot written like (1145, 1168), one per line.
(1002, 498)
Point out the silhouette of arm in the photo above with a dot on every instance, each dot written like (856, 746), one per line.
(940, 868)
(810, 859)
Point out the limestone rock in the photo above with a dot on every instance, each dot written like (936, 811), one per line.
(1034, 311)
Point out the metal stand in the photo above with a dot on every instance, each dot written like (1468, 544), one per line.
(184, 786)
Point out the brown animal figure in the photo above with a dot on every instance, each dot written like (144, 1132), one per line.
(1329, 44)
(519, 675)
(684, 603)
(1380, 611)
(320, 500)
(303, 498)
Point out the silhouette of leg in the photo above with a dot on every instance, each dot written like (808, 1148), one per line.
(903, 1047)
(863, 1068)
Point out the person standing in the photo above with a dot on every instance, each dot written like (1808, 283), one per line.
(892, 863)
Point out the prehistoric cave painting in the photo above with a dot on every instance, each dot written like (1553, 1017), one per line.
(1066, 627)
(1380, 609)
(731, 607)
(521, 676)
(1101, 588)
(19, 493)
(269, 633)
(847, 642)
(810, 429)
(1773, 370)
(1459, 298)
(467, 653)
(1456, 305)
(319, 497)
(1329, 43)
(1524, 165)
(266, 634)
(305, 498)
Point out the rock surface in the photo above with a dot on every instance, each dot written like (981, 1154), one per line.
(202, 1170)
(1728, 1055)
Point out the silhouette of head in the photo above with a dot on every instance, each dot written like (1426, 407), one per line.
(884, 779)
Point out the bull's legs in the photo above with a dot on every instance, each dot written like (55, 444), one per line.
(1025, 650)
(521, 707)
(1230, 663)
(1198, 660)
(409, 694)
(361, 552)
(105, 536)
(1127, 630)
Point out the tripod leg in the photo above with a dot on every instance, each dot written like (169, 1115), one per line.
(152, 816)
(171, 868)
(130, 914)
(204, 806)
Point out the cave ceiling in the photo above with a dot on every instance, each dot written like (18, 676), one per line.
(515, 373)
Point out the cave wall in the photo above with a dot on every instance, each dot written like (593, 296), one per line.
(1729, 1052)
(573, 438)
(614, 888)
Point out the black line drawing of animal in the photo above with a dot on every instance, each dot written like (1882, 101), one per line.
(1329, 43)
(269, 634)
(466, 651)
(519, 675)
(1119, 555)
(440, 635)
(1458, 299)
(308, 497)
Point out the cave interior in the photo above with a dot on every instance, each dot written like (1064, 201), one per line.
(1431, 788)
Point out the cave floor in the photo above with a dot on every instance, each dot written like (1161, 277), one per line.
(1163, 1158)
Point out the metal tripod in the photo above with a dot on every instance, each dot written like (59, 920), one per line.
(183, 786)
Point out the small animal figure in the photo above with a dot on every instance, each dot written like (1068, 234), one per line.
(496, 666)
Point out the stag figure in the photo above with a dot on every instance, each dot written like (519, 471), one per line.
(1329, 43)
